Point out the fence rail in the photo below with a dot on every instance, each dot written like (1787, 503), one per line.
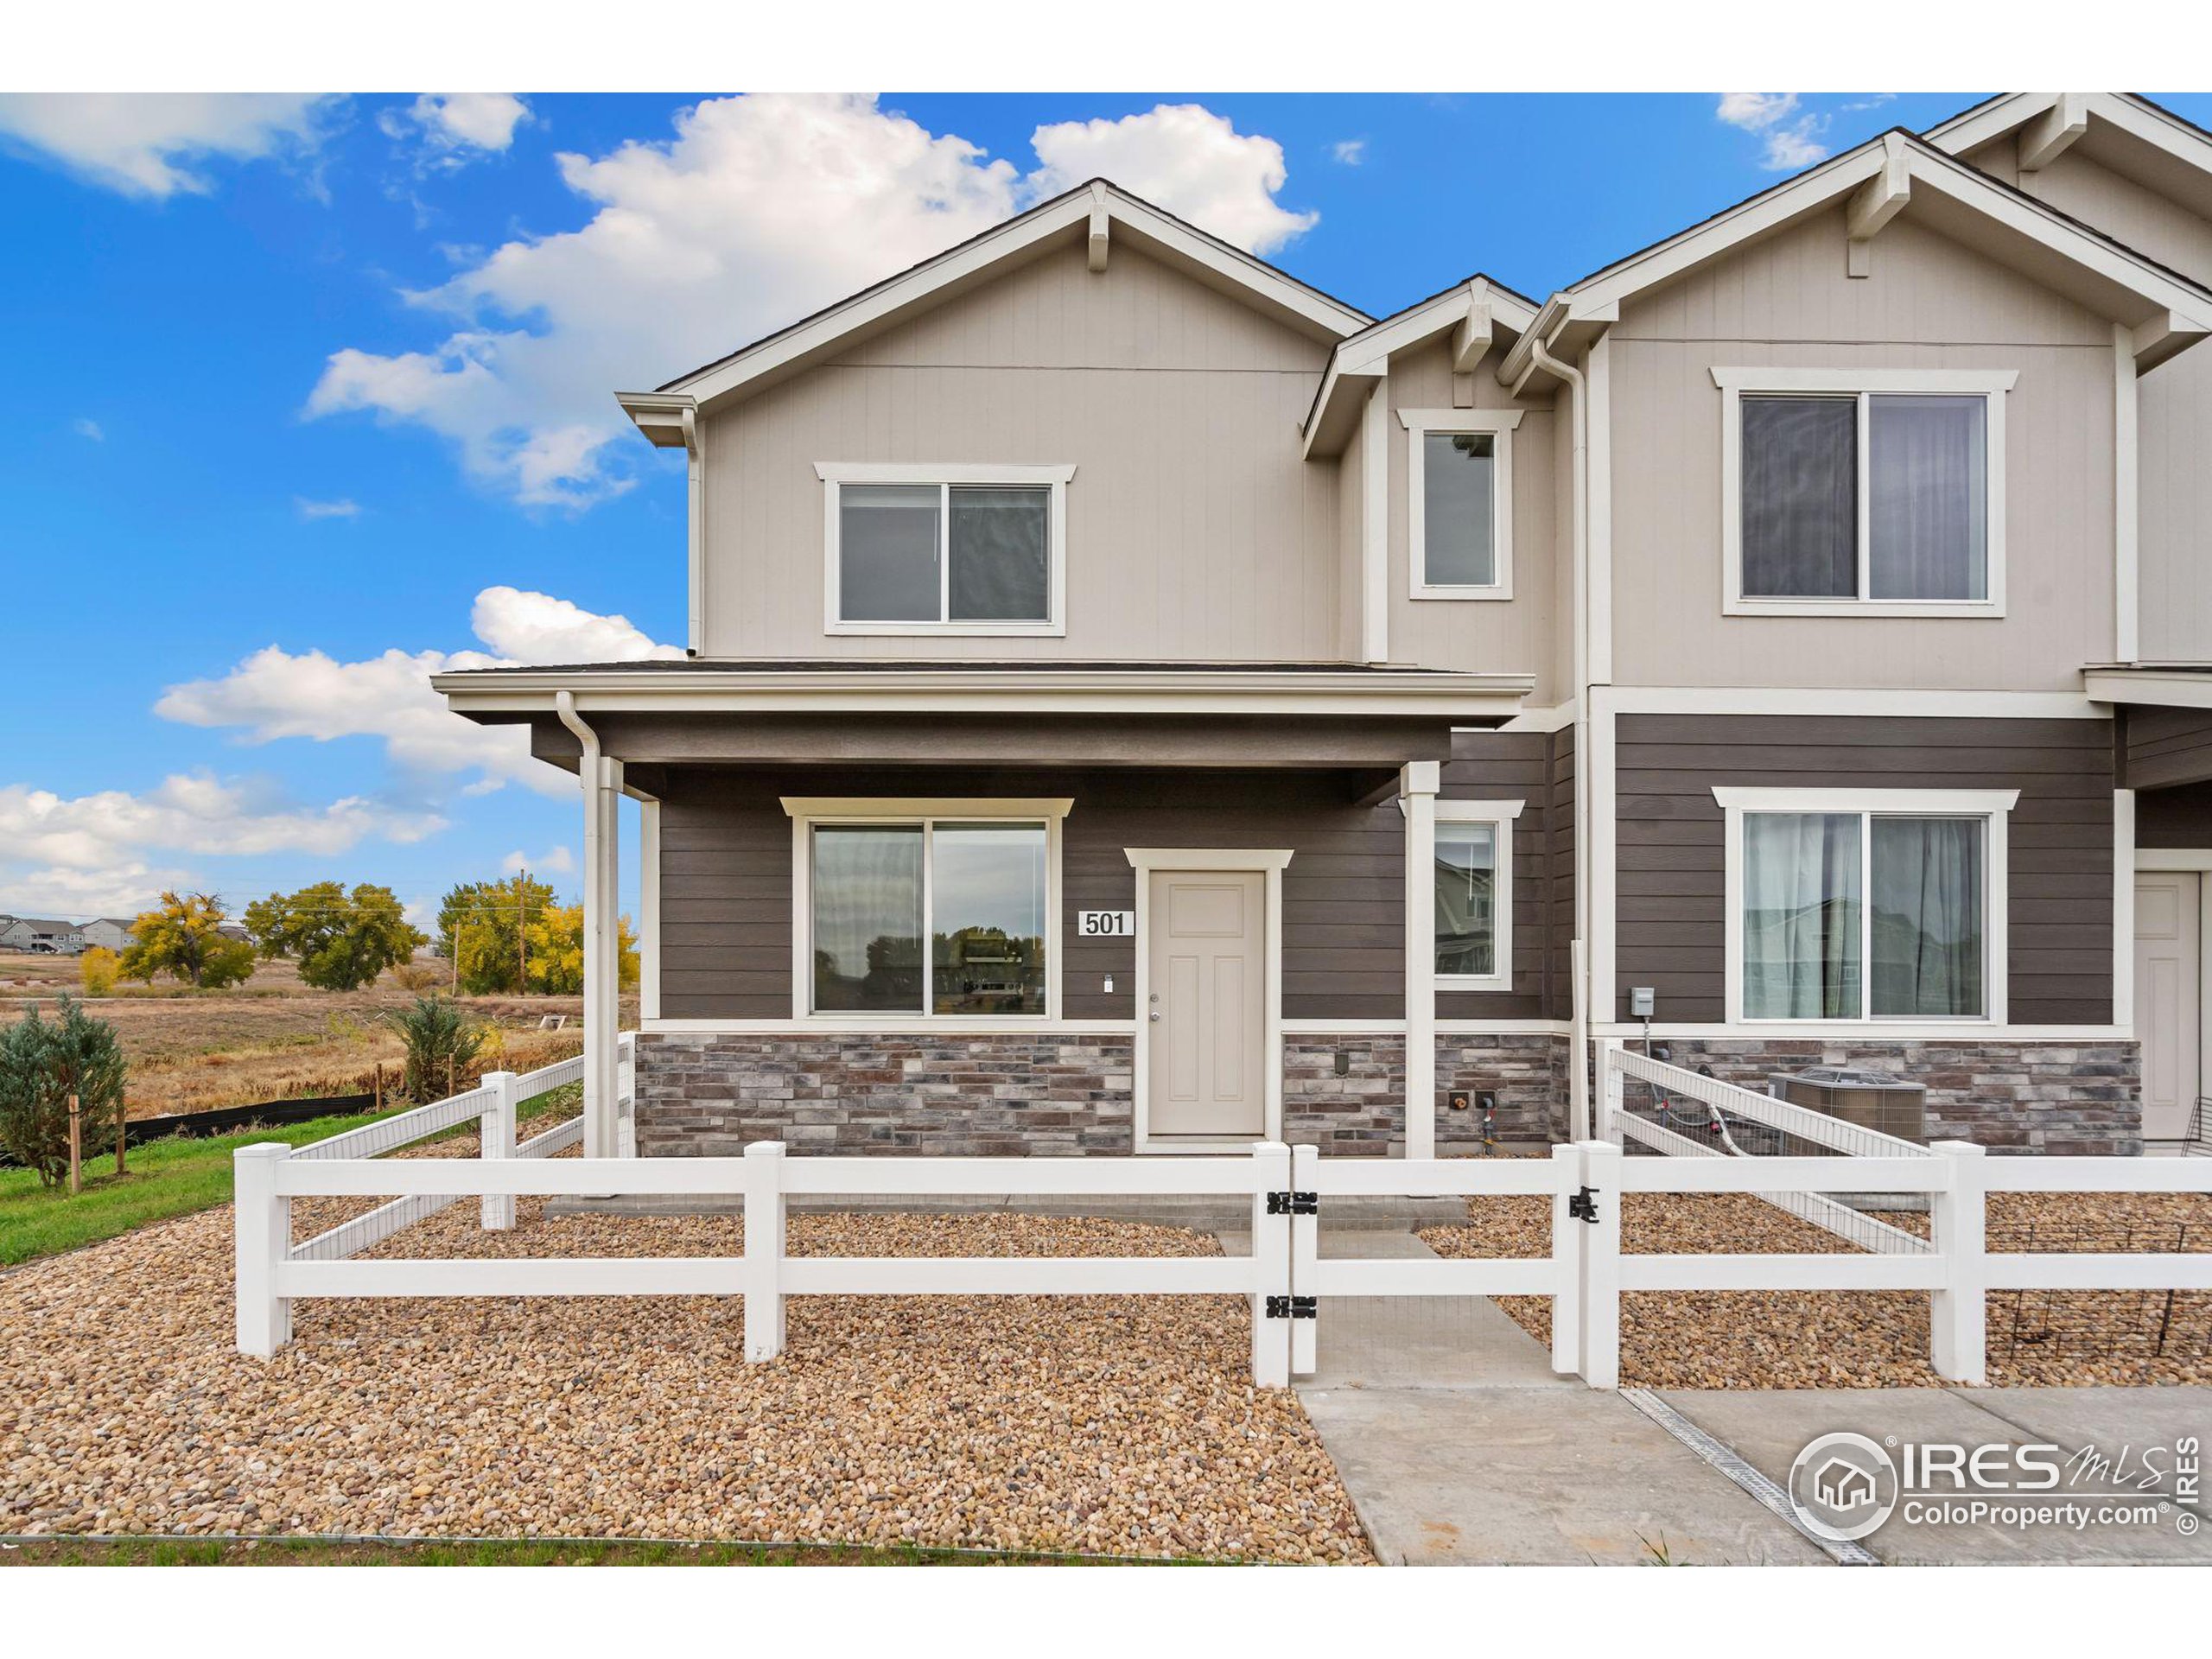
(1286, 1282)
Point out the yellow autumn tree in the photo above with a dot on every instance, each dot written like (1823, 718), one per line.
(556, 951)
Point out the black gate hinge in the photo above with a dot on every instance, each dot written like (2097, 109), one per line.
(1293, 1204)
(1583, 1205)
(1294, 1307)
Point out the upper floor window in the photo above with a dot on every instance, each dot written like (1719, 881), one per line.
(937, 549)
(1863, 493)
(1865, 905)
(1459, 501)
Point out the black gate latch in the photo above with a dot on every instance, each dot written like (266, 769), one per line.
(1294, 1307)
(1293, 1204)
(1583, 1205)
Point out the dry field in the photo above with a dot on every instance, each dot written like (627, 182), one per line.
(272, 1037)
(1825, 1339)
(1113, 1426)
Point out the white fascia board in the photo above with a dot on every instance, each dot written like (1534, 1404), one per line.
(1359, 360)
(1991, 119)
(913, 290)
(1452, 697)
(2153, 290)
(2171, 688)
(663, 417)
(2133, 115)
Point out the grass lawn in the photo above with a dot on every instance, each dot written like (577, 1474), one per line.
(163, 1552)
(161, 1179)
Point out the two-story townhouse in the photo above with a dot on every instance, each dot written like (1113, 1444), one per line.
(1136, 702)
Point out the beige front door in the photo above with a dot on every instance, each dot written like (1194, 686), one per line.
(2168, 984)
(1205, 1016)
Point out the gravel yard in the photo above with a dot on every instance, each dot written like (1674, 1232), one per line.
(1821, 1340)
(1103, 1425)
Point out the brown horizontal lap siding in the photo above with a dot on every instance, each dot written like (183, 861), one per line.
(1671, 929)
(2167, 746)
(2179, 818)
(1509, 766)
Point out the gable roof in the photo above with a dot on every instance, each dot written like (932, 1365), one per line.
(1098, 212)
(2124, 131)
(1894, 172)
(1480, 311)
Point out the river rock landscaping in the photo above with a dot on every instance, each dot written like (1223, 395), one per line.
(1839, 1340)
(1101, 1425)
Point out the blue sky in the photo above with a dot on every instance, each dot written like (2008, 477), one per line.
(332, 376)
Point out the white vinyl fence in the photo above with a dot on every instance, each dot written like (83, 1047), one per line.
(1285, 1279)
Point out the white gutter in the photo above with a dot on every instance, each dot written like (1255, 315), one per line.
(1586, 760)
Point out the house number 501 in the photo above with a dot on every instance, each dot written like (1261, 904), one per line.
(1106, 924)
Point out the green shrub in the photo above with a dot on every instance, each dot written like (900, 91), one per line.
(41, 1063)
(441, 1043)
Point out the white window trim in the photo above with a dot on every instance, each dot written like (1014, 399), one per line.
(945, 474)
(1144, 860)
(1500, 424)
(1992, 805)
(806, 812)
(1990, 384)
(1499, 815)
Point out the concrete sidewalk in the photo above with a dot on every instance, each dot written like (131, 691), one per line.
(1460, 1446)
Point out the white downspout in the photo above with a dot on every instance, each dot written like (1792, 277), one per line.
(602, 967)
(1586, 761)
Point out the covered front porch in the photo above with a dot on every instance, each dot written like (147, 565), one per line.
(1024, 910)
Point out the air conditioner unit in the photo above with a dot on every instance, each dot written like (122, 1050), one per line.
(1873, 1100)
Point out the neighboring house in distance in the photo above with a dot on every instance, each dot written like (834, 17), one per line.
(40, 936)
(108, 933)
(1138, 703)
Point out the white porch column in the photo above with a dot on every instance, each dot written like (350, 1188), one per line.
(602, 947)
(1418, 782)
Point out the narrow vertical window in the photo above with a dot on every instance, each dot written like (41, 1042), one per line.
(1459, 509)
(1466, 882)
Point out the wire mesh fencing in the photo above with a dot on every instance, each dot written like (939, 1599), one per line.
(2098, 1324)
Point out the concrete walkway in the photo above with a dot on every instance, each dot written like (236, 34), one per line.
(1460, 1446)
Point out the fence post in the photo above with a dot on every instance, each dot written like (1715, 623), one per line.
(1305, 1257)
(496, 1139)
(1601, 1266)
(764, 1249)
(1613, 1091)
(261, 1229)
(1270, 1266)
(626, 1095)
(1567, 1251)
(1958, 1337)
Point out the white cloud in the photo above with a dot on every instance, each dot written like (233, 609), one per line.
(465, 120)
(758, 210)
(344, 507)
(539, 628)
(1788, 136)
(1187, 159)
(277, 694)
(1350, 151)
(85, 427)
(556, 860)
(147, 144)
(89, 853)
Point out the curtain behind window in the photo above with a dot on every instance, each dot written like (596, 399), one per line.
(867, 918)
(1800, 491)
(1927, 916)
(1000, 554)
(1928, 498)
(886, 553)
(1801, 916)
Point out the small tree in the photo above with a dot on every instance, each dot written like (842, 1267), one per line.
(556, 951)
(95, 968)
(441, 1042)
(42, 1065)
(342, 941)
(483, 930)
(182, 938)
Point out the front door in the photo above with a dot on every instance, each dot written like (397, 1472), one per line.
(1206, 1014)
(2169, 966)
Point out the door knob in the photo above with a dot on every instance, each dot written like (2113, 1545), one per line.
(1156, 1013)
